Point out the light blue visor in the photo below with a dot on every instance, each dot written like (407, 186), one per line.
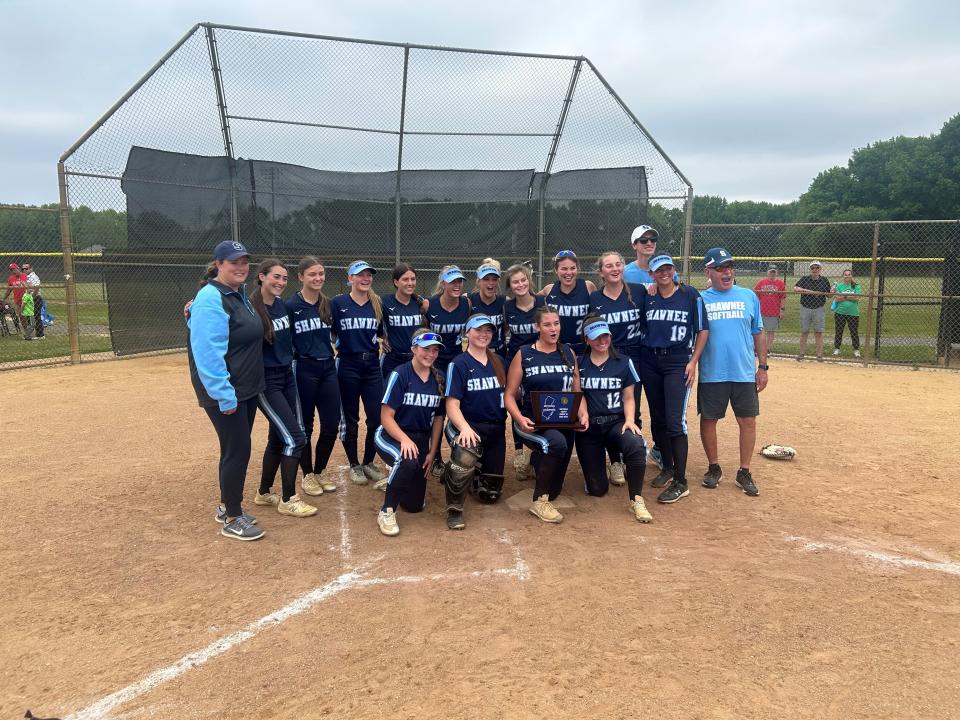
(359, 266)
(451, 274)
(485, 270)
(596, 329)
(659, 261)
(478, 321)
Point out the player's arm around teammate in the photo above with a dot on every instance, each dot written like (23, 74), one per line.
(476, 422)
(544, 365)
(357, 322)
(316, 373)
(607, 379)
(411, 421)
(279, 401)
(226, 369)
(674, 334)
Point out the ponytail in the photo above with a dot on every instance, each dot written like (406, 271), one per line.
(497, 363)
(256, 298)
(210, 273)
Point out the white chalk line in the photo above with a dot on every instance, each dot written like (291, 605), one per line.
(346, 581)
(346, 547)
(949, 568)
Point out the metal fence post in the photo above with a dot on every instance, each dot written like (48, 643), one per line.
(688, 236)
(225, 129)
(69, 279)
(403, 116)
(867, 346)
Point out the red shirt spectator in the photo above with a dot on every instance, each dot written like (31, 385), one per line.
(18, 283)
(772, 293)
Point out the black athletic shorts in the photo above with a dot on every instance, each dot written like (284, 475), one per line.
(712, 399)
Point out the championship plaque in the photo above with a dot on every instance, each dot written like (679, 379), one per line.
(556, 409)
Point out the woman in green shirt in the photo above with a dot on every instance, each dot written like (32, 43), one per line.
(846, 312)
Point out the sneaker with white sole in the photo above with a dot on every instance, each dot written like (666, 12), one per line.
(380, 485)
(327, 482)
(296, 507)
(662, 478)
(674, 492)
(856, 353)
(357, 475)
(311, 485)
(836, 352)
(520, 464)
(544, 509)
(617, 477)
(745, 482)
(639, 509)
(387, 520)
(241, 529)
(712, 477)
(655, 455)
(221, 516)
(373, 472)
(270, 498)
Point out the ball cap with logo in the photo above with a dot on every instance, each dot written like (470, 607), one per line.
(717, 257)
(229, 250)
(641, 230)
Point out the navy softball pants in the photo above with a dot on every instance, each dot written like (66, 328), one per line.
(406, 483)
(391, 361)
(360, 380)
(610, 437)
(233, 431)
(280, 403)
(319, 395)
(667, 397)
(494, 441)
(552, 449)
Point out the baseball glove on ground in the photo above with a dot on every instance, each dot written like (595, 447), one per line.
(778, 452)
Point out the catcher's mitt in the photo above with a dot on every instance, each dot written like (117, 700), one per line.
(778, 452)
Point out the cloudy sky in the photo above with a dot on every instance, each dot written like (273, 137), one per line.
(750, 99)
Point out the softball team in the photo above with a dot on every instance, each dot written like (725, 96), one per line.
(570, 295)
(315, 369)
(488, 300)
(674, 334)
(608, 379)
(357, 324)
(545, 365)
(447, 313)
(411, 420)
(402, 314)
(476, 421)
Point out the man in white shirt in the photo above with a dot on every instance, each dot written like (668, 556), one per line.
(33, 281)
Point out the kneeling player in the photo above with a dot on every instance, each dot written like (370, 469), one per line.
(475, 431)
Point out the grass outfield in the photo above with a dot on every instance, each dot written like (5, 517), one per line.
(909, 332)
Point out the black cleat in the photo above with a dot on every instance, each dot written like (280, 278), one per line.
(711, 478)
(665, 476)
(455, 520)
(674, 492)
(745, 482)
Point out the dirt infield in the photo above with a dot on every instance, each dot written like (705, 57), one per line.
(834, 594)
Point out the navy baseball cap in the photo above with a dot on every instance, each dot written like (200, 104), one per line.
(477, 321)
(451, 274)
(485, 270)
(659, 261)
(596, 329)
(715, 257)
(229, 250)
(425, 340)
(359, 266)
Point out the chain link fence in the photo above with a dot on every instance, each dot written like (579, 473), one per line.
(908, 273)
(345, 149)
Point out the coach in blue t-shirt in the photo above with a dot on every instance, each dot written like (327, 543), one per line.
(727, 370)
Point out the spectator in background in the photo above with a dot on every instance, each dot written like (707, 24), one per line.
(16, 283)
(33, 282)
(813, 289)
(26, 314)
(846, 312)
(773, 296)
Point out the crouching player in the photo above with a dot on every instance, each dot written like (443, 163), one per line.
(607, 379)
(476, 421)
(411, 419)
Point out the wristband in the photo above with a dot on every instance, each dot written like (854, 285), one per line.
(763, 367)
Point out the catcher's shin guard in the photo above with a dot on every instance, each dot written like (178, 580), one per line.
(487, 488)
(458, 473)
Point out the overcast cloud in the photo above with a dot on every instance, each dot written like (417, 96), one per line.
(751, 100)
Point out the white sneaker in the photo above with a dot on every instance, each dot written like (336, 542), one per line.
(639, 510)
(357, 475)
(387, 520)
(380, 485)
(617, 470)
(856, 353)
(836, 352)
(311, 485)
(373, 472)
(296, 507)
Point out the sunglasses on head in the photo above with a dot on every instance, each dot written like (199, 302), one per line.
(428, 337)
(565, 254)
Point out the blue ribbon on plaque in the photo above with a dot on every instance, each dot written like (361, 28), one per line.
(556, 409)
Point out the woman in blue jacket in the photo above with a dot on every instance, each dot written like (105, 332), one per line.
(225, 336)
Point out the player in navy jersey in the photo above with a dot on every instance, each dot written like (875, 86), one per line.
(279, 401)
(674, 334)
(316, 374)
(571, 296)
(615, 303)
(545, 364)
(488, 300)
(607, 379)
(411, 420)
(402, 314)
(520, 328)
(447, 313)
(357, 323)
(475, 431)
